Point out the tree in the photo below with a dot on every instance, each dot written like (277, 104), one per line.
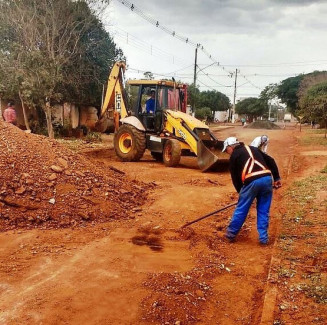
(148, 75)
(215, 100)
(55, 50)
(193, 96)
(212, 99)
(310, 80)
(253, 107)
(269, 93)
(203, 113)
(313, 105)
(287, 92)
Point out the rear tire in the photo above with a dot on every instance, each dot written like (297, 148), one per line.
(172, 153)
(129, 143)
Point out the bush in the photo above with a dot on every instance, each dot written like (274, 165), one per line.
(93, 137)
(203, 113)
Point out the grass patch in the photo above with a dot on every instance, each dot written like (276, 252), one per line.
(72, 144)
(317, 290)
(93, 137)
(312, 137)
(304, 191)
(285, 273)
(316, 131)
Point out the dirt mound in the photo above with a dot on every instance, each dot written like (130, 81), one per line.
(43, 184)
(263, 125)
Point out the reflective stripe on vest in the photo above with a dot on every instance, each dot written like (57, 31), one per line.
(247, 170)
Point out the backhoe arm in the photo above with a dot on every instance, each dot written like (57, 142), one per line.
(114, 105)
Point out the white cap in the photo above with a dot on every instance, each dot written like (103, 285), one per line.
(229, 141)
(264, 139)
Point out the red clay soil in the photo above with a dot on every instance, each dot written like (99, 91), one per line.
(43, 184)
(145, 269)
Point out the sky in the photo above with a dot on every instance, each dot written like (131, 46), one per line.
(265, 41)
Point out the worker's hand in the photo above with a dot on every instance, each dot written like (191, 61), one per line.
(277, 184)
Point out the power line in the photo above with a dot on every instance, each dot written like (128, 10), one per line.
(205, 74)
(156, 23)
(250, 82)
(147, 47)
(274, 65)
(171, 32)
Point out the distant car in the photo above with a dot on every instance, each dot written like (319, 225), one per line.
(272, 119)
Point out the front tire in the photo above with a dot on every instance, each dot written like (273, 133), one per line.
(172, 153)
(129, 143)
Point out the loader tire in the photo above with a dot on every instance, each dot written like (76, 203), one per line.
(129, 143)
(172, 153)
(157, 155)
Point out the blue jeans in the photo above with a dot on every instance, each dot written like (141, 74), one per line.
(262, 190)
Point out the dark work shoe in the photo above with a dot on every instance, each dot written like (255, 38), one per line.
(264, 243)
(230, 239)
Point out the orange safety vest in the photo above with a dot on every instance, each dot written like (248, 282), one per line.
(247, 170)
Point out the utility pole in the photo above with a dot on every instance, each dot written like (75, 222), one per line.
(194, 82)
(231, 117)
(195, 64)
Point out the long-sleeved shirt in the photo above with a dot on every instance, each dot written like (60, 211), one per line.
(150, 105)
(10, 115)
(257, 142)
(238, 160)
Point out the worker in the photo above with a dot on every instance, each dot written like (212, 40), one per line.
(9, 114)
(254, 174)
(150, 103)
(261, 142)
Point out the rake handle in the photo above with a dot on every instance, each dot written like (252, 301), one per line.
(209, 214)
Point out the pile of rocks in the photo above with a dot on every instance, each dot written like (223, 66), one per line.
(44, 184)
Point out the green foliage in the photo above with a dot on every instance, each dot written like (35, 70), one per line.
(311, 139)
(148, 75)
(213, 99)
(314, 103)
(269, 93)
(93, 137)
(252, 107)
(54, 50)
(193, 96)
(287, 92)
(203, 113)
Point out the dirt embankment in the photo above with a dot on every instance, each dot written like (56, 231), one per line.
(43, 184)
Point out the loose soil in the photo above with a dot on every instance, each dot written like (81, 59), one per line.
(121, 257)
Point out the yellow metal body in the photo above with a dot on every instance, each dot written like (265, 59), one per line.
(190, 131)
(154, 82)
(113, 101)
(174, 121)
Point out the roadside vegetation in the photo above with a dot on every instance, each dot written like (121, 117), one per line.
(54, 52)
(302, 272)
(313, 137)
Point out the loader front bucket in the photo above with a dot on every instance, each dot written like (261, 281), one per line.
(209, 157)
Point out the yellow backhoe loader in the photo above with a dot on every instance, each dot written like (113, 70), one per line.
(161, 126)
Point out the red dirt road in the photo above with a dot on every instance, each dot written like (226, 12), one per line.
(143, 269)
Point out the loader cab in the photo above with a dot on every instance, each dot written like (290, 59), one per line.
(166, 95)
